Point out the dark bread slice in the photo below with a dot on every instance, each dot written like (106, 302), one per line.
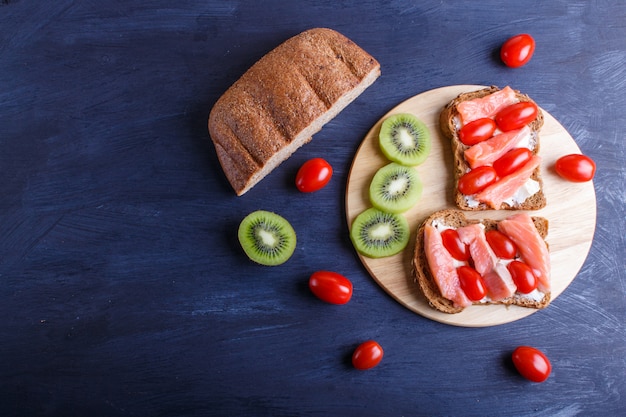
(449, 129)
(426, 281)
(278, 104)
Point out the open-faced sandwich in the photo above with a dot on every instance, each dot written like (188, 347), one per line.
(494, 135)
(460, 262)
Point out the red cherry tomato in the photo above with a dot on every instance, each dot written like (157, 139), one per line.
(516, 115)
(477, 180)
(472, 283)
(523, 276)
(518, 50)
(477, 131)
(331, 287)
(502, 246)
(532, 363)
(367, 355)
(313, 175)
(453, 244)
(575, 167)
(512, 161)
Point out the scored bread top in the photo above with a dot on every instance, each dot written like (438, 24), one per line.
(426, 281)
(283, 99)
(448, 124)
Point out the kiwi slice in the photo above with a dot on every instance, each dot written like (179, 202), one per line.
(267, 238)
(395, 188)
(404, 139)
(377, 234)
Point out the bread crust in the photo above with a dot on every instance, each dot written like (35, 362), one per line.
(283, 99)
(426, 282)
(449, 130)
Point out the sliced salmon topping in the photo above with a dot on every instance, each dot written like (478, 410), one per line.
(490, 150)
(442, 267)
(532, 248)
(500, 282)
(497, 278)
(506, 187)
(483, 256)
(487, 106)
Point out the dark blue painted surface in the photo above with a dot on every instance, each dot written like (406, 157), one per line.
(123, 291)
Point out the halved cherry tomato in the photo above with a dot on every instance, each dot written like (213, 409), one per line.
(532, 363)
(477, 180)
(477, 131)
(516, 115)
(512, 161)
(575, 167)
(331, 287)
(313, 175)
(523, 276)
(518, 50)
(367, 355)
(472, 283)
(456, 248)
(502, 246)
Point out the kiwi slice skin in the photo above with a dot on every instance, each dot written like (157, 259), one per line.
(267, 238)
(404, 139)
(395, 188)
(378, 234)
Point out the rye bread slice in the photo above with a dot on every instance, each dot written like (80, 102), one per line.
(426, 281)
(282, 100)
(448, 119)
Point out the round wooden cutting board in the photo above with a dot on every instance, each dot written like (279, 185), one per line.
(571, 210)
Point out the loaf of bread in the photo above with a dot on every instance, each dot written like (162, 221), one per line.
(450, 124)
(283, 99)
(448, 218)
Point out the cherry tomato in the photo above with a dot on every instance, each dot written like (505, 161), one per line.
(477, 131)
(516, 115)
(331, 287)
(532, 363)
(518, 50)
(472, 283)
(453, 244)
(575, 167)
(512, 161)
(367, 355)
(502, 246)
(313, 175)
(477, 179)
(523, 276)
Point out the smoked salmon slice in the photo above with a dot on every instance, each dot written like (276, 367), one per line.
(490, 150)
(487, 106)
(532, 248)
(497, 278)
(443, 268)
(506, 187)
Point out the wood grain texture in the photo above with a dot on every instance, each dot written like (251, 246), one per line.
(571, 209)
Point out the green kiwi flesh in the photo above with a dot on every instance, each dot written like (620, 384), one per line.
(404, 139)
(395, 188)
(267, 238)
(378, 234)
